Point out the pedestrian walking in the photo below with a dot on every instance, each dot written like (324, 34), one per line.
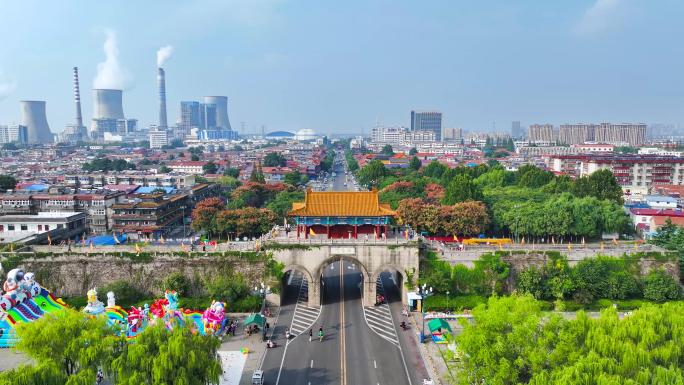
(310, 334)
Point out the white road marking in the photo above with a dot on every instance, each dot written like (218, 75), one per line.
(375, 364)
(311, 366)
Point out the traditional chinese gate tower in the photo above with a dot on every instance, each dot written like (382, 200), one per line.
(341, 214)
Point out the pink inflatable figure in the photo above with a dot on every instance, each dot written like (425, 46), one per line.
(214, 318)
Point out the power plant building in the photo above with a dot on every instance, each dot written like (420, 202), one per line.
(108, 114)
(77, 131)
(33, 117)
(209, 118)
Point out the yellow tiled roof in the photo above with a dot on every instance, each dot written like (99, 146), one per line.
(341, 204)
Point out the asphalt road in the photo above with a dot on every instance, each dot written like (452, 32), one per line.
(351, 353)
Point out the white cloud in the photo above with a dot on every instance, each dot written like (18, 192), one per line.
(601, 16)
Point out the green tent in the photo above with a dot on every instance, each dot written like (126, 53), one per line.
(437, 323)
(255, 319)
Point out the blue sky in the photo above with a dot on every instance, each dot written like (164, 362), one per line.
(338, 66)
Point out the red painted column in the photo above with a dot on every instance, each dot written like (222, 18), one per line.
(356, 231)
(298, 228)
(327, 229)
(306, 232)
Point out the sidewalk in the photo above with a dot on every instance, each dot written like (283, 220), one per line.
(254, 343)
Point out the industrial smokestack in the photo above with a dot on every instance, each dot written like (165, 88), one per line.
(34, 118)
(107, 104)
(161, 82)
(221, 103)
(77, 99)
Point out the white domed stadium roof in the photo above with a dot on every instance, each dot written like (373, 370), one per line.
(305, 134)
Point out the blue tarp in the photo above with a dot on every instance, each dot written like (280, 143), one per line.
(106, 240)
(149, 189)
(36, 187)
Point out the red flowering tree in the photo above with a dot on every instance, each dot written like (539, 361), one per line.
(204, 214)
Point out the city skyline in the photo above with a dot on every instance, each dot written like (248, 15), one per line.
(527, 62)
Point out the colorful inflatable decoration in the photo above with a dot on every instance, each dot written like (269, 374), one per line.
(22, 300)
(214, 318)
(95, 307)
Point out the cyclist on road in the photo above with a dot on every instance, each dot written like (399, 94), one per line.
(320, 334)
(310, 334)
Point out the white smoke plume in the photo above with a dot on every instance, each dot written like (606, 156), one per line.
(7, 86)
(110, 73)
(163, 54)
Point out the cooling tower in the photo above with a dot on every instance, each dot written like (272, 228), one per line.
(34, 118)
(107, 104)
(161, 82)
(77, 99)
(221, 103)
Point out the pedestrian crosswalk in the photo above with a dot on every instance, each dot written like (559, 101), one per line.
(379, 318)
(304, 315)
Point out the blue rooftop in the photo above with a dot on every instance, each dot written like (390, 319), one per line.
(149, 189)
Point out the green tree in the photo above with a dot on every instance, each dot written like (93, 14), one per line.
(10, 146)
(69, 340)
(257, 176)
(660, 287)
(434, 170)
(274, 159)
(232, 171)
(126, 293)
(194, 158)
(413, 151)
(282, 203)
(160, 356)
(7, 182)
(370, 174)
(531, 281)
(177, 282)
(387, 150)
(415, 163)
(600, 184)
(461, 189)
(210, 167)
(296, 178)
(164, 169)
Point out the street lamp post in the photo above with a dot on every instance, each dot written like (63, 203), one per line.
(423, 293)
(262, 290)
(447, 293)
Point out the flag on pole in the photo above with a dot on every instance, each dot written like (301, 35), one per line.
(311, 232)
(137, 249)
(183, 246)
(83, 240)
(406, 234)
(116, 239)
(215, 245)
(500, 245)
(522, 241)
(601, 245)
(615, 242)
(161, 239)
(455, 238)
(636, 245)
(569, 246)
(11, 247)
(49, 240)
(553, 240)
(583, 240)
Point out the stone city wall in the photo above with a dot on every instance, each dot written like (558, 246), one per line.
(68, 275)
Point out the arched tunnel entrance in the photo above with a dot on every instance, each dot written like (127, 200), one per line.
(297, 286)
(389, 283)
(345, 271)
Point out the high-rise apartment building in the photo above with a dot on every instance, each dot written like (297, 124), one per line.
(633, 134)
(427, 121)
(14, 133)
(453, 134)
(541, 133)
(517, 132)
(576, 133)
